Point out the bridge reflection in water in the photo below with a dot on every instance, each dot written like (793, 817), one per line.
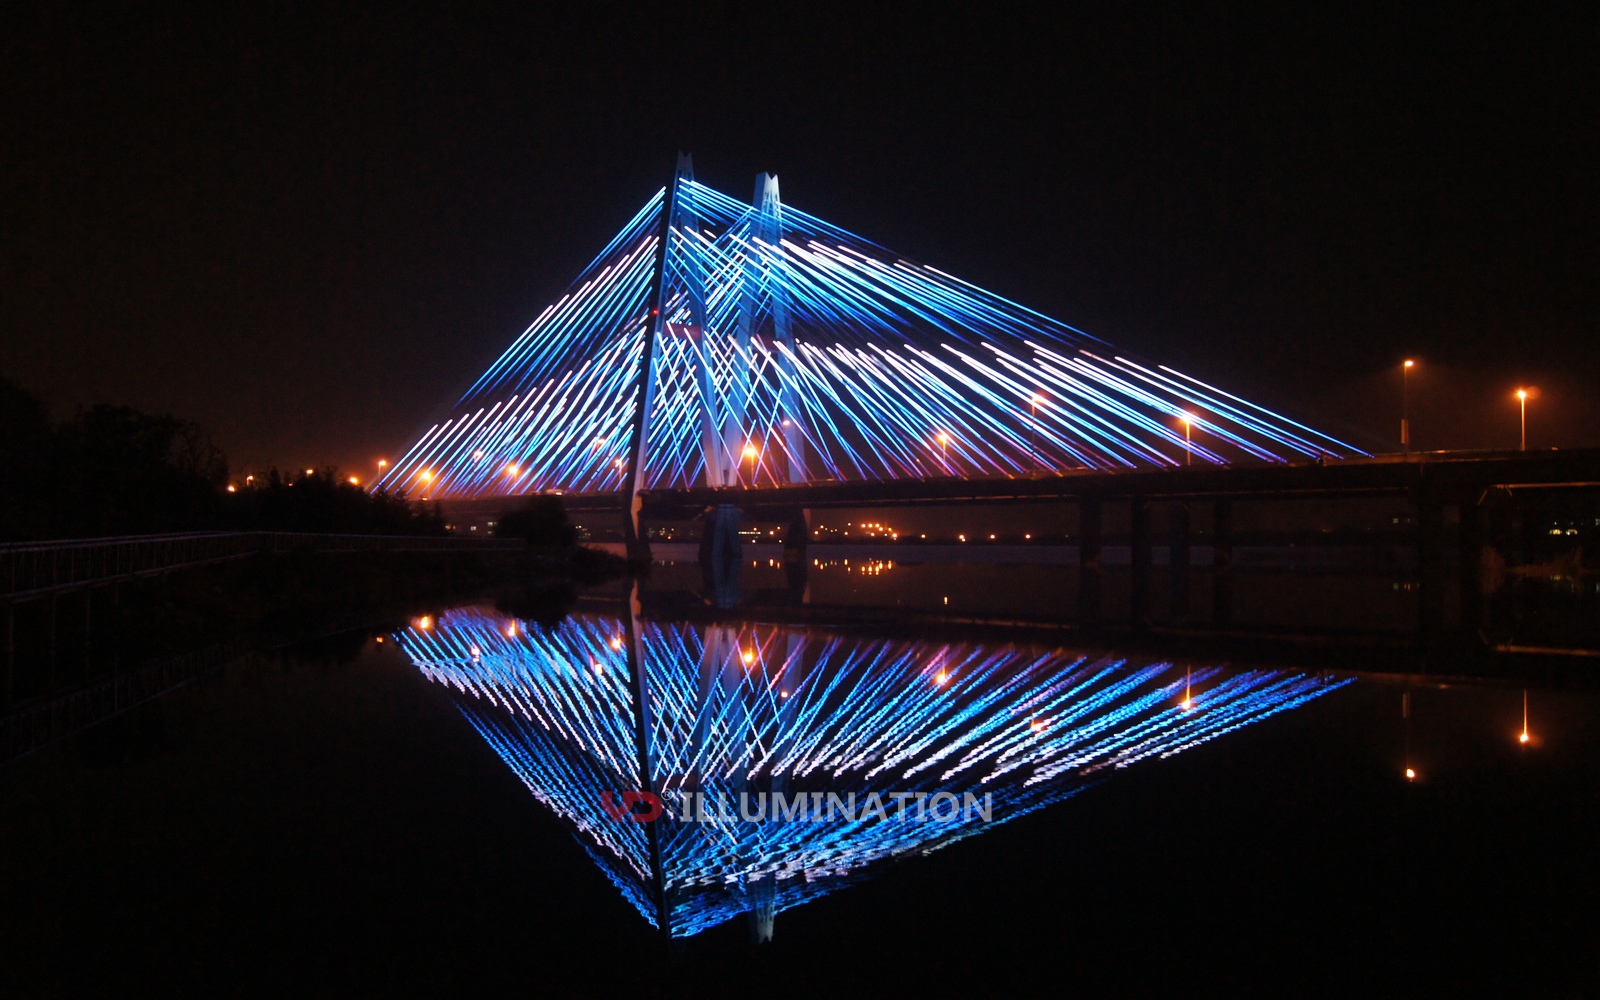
(743, 714)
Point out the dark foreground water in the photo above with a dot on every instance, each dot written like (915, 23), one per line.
(423, 810)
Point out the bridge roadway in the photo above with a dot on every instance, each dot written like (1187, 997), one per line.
(1479, 485)
(1442, 477)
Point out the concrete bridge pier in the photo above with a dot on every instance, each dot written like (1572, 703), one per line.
(1499, 551)
(1470, 543)
(797, 534)
(796, 564)
(721, 554)
(1178, 558)
(1430, 558)
(1139, 556)
(1089, 568)
(1222, 563)
(635, 536)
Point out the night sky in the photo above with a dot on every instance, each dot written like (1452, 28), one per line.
(310, 230)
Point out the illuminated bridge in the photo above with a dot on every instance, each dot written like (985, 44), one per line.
(722, 359)
(722, 345)
(720, 720)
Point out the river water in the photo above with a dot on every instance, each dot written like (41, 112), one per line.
(876, 766)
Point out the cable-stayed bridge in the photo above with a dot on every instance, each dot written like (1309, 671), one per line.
(722, 344)
(722, 358)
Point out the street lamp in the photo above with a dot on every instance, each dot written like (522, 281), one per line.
(1524, 737)
(1523, 395)
(1033, 427)
(1188, 440)
(1405, 406)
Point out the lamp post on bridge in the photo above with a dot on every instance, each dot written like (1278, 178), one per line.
(1033, 428)
(1523, 395)
(1405, 406)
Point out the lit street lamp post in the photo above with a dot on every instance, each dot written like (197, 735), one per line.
(1405, 406)
(1033, 427)
(1522, 402)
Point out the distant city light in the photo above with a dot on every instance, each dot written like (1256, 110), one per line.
(748, 656)
(310, 473)
(511, 469)
(425, 475)
(354, 481)
(232, 488)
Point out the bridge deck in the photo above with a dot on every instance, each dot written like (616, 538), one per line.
(1438, 474)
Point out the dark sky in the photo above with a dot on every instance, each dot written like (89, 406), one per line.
(310, 230)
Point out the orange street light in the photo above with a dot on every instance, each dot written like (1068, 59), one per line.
(383, 463)
(425, 476)
(750, 451)
(1405, 406)
(1033, 425)
(354, 481)
(1524, 737)
(1523, 395)
(511, 469)
(1188, 440)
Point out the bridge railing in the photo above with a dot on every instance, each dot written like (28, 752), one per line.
(37, 569)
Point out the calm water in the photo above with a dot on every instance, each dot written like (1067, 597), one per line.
(439, 806)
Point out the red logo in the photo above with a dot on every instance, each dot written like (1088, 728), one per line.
(627, 808)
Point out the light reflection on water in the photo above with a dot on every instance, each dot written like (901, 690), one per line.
(763, 709)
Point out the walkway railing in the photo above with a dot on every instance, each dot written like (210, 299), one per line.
(38, 569)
